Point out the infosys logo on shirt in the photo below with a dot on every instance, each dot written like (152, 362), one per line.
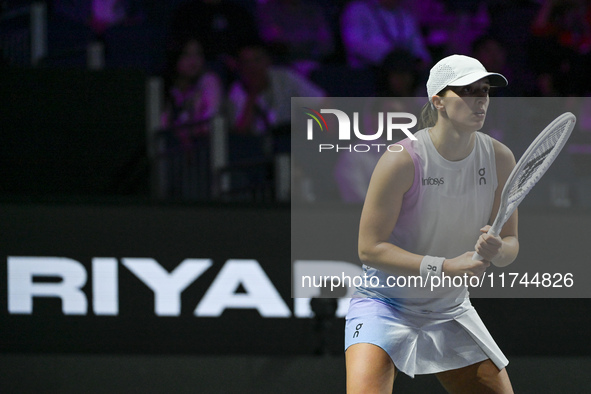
(432, 181)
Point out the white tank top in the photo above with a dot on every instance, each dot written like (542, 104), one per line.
(441, 215)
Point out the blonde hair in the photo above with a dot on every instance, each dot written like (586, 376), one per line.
(428, 116)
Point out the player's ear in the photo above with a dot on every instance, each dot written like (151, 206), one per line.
(437, 102)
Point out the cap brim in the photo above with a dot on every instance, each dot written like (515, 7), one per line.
(495, 79)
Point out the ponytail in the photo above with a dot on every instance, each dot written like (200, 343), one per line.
(428, 116)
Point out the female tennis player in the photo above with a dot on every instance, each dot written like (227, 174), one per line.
(426, 212)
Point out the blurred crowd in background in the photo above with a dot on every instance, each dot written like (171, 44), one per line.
(244, 59)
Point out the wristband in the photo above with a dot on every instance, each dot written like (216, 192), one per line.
(431, 266)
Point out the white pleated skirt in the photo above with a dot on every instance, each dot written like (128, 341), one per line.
(422, 343)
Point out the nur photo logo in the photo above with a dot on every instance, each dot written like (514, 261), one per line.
(386, 122)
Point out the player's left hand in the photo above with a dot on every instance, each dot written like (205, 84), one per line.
(487, 245)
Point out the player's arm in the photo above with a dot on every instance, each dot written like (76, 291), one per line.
(503, 249)
(392, 177)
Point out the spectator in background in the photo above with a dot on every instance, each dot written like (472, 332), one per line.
(432, 17)
(466, 21)
(398, 75)
(492, 53)
(100, 15)
(371, 29)
(561, 46)
(510, 23)
(296, 31)
(101, 33)
(450, 26)
(259, 104)
(194, 94)
(221, 26)
(567, 22)
(260, 100)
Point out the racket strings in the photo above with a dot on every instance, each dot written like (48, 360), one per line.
(531, 167)
(541, 158)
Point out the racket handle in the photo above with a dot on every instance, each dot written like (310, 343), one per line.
(476, 257)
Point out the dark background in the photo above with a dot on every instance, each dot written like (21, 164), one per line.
(170, 234)
(138, 350)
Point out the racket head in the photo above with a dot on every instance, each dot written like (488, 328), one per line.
(534, 163)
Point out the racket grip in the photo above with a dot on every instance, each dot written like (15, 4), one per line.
(476, 257)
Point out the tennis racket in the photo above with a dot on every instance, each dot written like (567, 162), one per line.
(536, 160)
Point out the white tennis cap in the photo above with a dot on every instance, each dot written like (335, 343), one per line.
(459, 70)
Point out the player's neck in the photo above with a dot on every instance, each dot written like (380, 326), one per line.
(452, 145)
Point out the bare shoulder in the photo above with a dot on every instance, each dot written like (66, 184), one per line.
(395, 169)
(503, 156)
(392, 177)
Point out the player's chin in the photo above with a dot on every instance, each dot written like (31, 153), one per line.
(472, 124)
(477, 120)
